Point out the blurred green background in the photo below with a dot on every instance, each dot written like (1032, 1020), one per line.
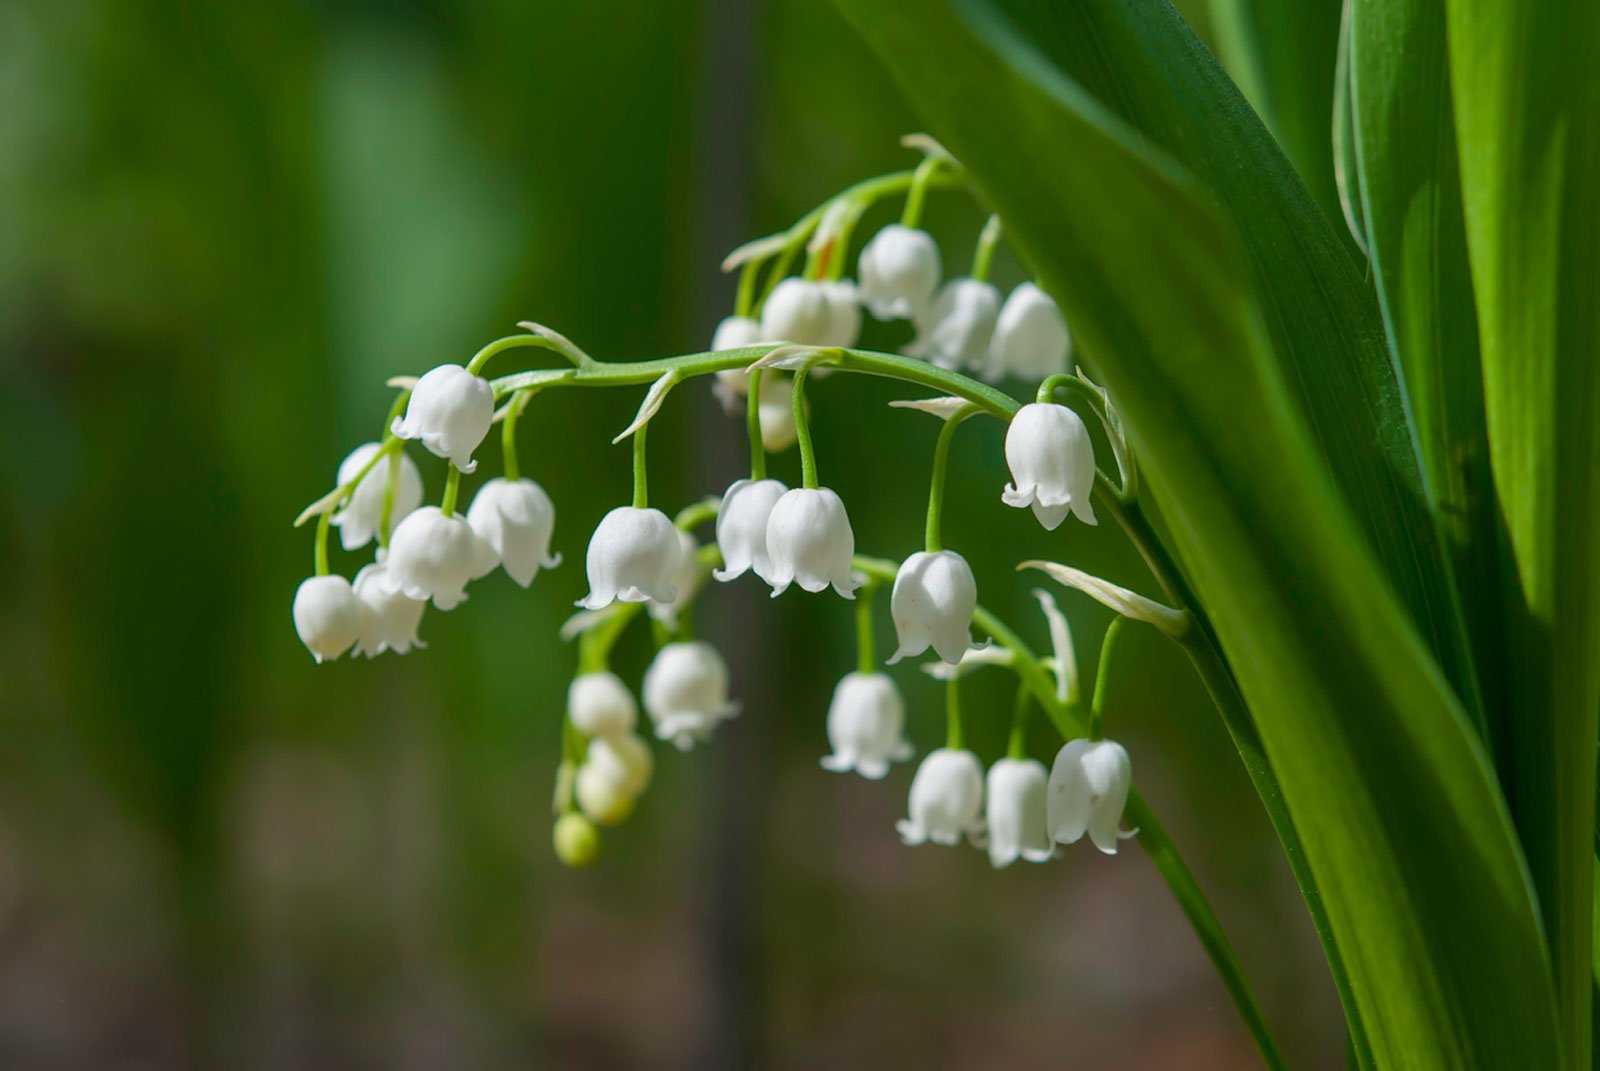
(225, 225)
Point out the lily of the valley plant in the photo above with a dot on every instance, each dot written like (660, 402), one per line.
(1345, 351)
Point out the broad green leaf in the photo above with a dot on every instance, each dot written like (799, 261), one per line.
(1281, 53)
(1527, 110)
(1397, 812)
(1404, 137)
(1141, 59)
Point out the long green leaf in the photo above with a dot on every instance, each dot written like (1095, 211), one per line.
(1527, 109)
(1394, 800)
(1346, 171)
(1140, 58)
(1404, 137)
(1281, 52)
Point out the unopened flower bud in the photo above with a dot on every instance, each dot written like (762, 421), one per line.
(686, 692)
(450, 411)
(1031, 340)
(327, 615)
(599, 704)
(900, 270)
(576, 841)
(625, 758)
(601, 796)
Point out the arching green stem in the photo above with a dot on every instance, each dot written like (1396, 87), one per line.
(744, 299)
(390, 479)
(941, 462)
(955, 735)
(1017, 742)
(1102, 679)
(752, 424)
(802, 432)
(319, 554)
(511, 342)
(918, 193)
(452, 488)
(866, 639)
(983, 256)
(641, 485)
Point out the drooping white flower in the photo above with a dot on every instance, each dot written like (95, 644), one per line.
(866, 726)
(633, 556)
(686, 692)
(599, 705)
(450, 411)
(516, 519)
(686, 579)
(734, 332)
(432, 556)
(742, 527)
(932, 604)
(358, 521)
(390, 618)
(946, 796)
(776, 412)
(799, 311)
(1031, 340)
(327, 615)
(844, 313)
(810, 542)
(625, 758)
(900, 270)
(1089, 786)
(954, 331)
(1014, 813)
(1052, 464)
(602, 796)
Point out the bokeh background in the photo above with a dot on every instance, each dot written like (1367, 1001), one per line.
(225, 225)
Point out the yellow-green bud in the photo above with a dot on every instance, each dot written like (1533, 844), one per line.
(577, 842)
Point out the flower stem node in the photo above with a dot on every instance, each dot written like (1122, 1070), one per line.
(634, 556)
(600, 705)
(810, 542)
(900, 269)
(1052, 464)
(1088, 790)
(389, 618)
(361, 517)
(1031, 340)
(742, 527)
(576, 841)
(946, 798)
(866, 726)
(432, 556)
(954, 332)
(450, 411)
(686, 692)
(934, 597)
(515, 519)
(327, 615)
(1015, 813)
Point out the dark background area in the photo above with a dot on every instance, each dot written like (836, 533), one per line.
(225, 225)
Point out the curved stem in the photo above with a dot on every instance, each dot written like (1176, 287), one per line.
(1102, 678)
(319, 554)
(919, 189)
(941, 462)
(386, 516)
(511, 342)
(641, 485)
(452, 488)
(983, 256)
(802, 432)
(508, 439)
(866, 640)
(744, 300)
(752, 425)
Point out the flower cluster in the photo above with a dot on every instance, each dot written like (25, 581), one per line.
(641, 562)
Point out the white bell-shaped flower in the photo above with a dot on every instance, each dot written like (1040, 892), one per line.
(686, 692)
(633, 556)
(686, 578)
(946, 798)
(358, 521)
(844, 313)
(742, 527)
(1052, 464)
(866, 726)
(899, 270)
(390, 618)
(1031, 340)
(516, 519)
(734, 332)
(776, 412)
(602, 796)
(799, 311)
(932, 604)
(810, 542)
(1014, 813)
(954, 332)
(1089, 786)
(599, 704)
(450, 411)
(432, 556)
(327, 615)
(625, 758)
